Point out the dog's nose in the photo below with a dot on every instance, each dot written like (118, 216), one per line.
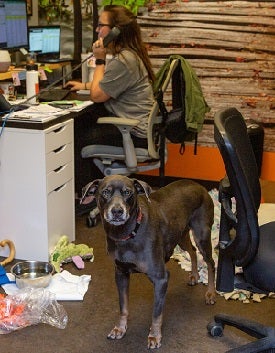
(117, 211)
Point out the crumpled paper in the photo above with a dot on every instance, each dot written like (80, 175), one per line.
(266, 212)
(246, 296)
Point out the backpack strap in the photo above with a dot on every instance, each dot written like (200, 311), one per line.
(164, 114)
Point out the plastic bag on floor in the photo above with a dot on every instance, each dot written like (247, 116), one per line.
(30, 306)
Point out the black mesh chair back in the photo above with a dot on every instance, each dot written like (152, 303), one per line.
(239, 232)
(242, 241)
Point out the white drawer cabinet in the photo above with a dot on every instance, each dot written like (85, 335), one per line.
(36, 189)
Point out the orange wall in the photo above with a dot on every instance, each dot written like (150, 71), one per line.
(207, 164)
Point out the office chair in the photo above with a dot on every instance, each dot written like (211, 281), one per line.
(127, 159)
(242, 240)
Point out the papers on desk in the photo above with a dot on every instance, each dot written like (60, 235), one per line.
(45, 112)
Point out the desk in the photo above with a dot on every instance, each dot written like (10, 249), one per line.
(52, 66)
(8, 76)
(37, 186)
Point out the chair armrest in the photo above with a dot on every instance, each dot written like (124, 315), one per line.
(124, 125)
(118, 121)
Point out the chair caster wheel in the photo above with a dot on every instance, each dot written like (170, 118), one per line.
(91, 222)
(215, 329)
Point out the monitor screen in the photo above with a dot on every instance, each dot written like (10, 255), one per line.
(13, 24)
(44, 39)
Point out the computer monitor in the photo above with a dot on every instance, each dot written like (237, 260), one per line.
(45, 40)
(13, 24)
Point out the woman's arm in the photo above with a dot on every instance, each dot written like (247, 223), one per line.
(96, 93)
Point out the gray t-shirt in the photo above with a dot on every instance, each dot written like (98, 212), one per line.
(126, 81)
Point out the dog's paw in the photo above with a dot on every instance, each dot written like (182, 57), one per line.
(193, 279)
(210, 297)
(154, 341)
(117, 333)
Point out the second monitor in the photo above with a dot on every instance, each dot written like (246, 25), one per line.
(45, 42)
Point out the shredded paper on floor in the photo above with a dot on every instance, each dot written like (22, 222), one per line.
(183, 259)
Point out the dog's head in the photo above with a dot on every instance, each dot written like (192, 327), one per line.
(116, 196)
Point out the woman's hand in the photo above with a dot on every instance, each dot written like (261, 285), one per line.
(75, 85)
(99, 51)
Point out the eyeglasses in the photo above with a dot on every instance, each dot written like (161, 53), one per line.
(100, 25)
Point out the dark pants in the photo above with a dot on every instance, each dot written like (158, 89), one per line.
(88, 132)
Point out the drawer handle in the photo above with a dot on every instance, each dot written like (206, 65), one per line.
(59, 188)
(59, 129)
(57, 170)
(59, 149)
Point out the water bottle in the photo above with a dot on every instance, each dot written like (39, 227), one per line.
(32, 83)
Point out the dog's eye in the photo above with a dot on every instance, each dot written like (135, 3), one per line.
(126, 192)
(106, 193)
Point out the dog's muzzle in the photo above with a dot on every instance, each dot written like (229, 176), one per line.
(116, 214)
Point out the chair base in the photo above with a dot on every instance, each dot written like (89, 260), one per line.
(265, 334)
(113, 168)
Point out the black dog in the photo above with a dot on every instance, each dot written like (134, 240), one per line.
(142, 233)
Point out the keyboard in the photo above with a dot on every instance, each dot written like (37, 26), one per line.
(52, 60)
(55, 94)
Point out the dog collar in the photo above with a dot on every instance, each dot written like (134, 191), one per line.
(134, 232)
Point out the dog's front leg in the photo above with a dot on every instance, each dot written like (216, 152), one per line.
(160, 289)
(122, 282)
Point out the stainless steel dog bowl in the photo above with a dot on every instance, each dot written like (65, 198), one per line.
(32, 274)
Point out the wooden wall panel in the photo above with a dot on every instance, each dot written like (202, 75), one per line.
(231, 46)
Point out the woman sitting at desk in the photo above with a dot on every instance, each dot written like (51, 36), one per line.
(123, 88)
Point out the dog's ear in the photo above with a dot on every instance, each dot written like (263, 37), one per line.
(142, 187)
(88, 191)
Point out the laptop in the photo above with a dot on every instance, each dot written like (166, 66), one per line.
(45, 42)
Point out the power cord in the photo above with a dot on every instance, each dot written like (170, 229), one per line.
(4, 121)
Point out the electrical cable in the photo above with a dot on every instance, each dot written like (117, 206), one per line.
(4, 122)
